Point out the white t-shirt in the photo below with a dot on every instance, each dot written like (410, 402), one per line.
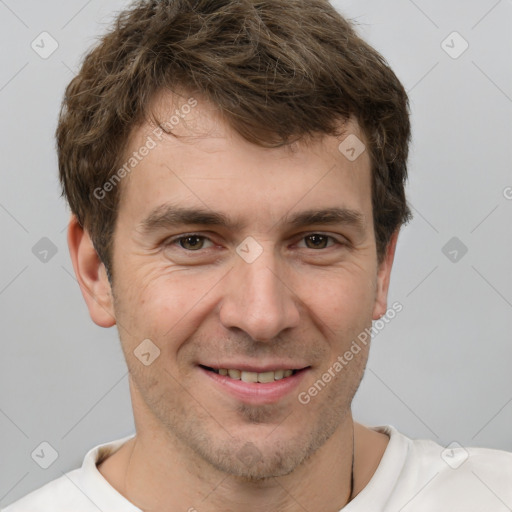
(413, 475)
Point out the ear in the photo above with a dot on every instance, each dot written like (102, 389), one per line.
(91, 275)
(383, 277)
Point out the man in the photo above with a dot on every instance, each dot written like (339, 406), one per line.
(236, 174)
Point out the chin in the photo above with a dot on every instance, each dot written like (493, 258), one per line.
(263, 459)
(252, 465)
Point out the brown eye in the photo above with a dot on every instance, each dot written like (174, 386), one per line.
(317, 241)
(191, 243)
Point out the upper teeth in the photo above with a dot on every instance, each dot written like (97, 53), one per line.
(255, 376)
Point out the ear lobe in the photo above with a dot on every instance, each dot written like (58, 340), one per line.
(383, 278)
(91, 275)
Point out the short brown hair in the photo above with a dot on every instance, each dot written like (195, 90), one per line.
(277, 71)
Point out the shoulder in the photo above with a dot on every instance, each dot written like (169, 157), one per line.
(448, 478)
(81, 490)
(456, 460)
(56, 496)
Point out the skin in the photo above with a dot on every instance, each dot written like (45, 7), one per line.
(296, 302)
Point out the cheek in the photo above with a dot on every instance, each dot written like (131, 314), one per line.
(165, 307)
(341, 298)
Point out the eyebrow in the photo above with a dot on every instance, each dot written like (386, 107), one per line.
(168, 215)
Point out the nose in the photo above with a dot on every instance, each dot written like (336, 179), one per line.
(258, 299)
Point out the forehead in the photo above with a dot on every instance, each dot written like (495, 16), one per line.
(202, 161)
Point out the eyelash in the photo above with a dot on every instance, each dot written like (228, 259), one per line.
(175, 240)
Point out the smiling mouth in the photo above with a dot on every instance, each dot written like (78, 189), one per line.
(256, 377)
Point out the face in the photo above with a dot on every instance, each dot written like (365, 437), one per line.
(224, 261)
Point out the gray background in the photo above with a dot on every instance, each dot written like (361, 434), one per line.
(440, 370)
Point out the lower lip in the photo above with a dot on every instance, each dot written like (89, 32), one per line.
(257, 393)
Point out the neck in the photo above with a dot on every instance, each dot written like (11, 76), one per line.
(157, 473)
